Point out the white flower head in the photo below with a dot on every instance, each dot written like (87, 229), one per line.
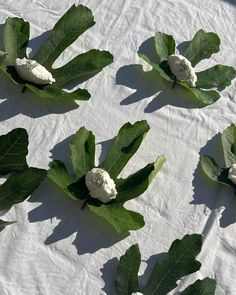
(100, 185)
(181, 67)
(137, 293)
(30, 70)
(232, 173)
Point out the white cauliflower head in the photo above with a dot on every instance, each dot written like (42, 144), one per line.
(30, 70)
(232, 173)
(100, 185)
(137, 293)
(181, 67)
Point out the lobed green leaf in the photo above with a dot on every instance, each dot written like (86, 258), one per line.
(122, 219)
(68, 28)
(202, 46)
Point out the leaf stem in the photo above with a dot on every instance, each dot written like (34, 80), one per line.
(84, 204)
(23, 89)
(174, 84)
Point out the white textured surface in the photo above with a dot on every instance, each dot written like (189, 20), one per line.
(55, 248)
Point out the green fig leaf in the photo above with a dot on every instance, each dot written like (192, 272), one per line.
(15, 38)
(19, 186)
(179, 262)
(82, 149)
(217, 76)
(127, 272)
(202, 46)
(68, 28)
(206, 286)
(165, 45)
(122, 219)
(228, 139)
(126, 144)
(13, 151)
(137, 183)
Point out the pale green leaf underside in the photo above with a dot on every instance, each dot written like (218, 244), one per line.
(206, 286)
(13, 151)
(127, 272)
(126, 143)
(228, 139)
(202, 46)
(82, 149)
(165, 45)
(122, 219)
(15, 38)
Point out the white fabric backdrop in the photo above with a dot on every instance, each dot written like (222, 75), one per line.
(55, 248)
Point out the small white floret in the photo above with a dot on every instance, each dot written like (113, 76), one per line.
(100, 185)
(181, 67)
(30, 70)
(137, 293)
(232, 173)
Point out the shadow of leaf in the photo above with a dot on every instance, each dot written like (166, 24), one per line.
(109, 275)
(214, 195)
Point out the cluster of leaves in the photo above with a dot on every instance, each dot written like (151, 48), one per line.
(210, 166)
(69, 27)
(124, 147)
(179, 262)
(22, 180)
(202, 46)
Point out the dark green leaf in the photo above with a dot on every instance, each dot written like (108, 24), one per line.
(205, 97)
(19, 186)
(4, 223)
(162, 68)
(15, 37)
(13, 151)
(179, 263)
(206, 286)
(126, 144)
(202, 46)
(137, 183)
(165, 45)
(122, 219)
(53, 91)
(82, 67)
(69, 27)
(127, 272)
(228, 139)
(217, 76)
(2, 56)
(82, 150)
(59, 175)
